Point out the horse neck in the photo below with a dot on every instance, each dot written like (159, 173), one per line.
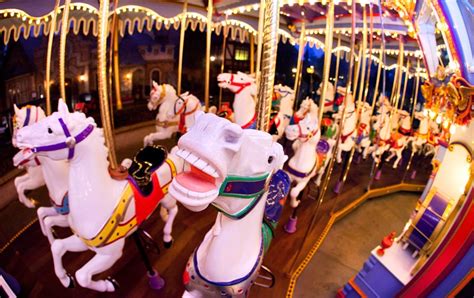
(406, 123)
(244, 107)
(92, 192)
(231, 241)
(365, 118)
(305, 154)
(286, 105)
(56, 177)
(192, 105)
(349, 123)
(165, 107)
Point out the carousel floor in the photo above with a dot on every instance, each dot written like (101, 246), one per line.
(350, 241)
(28, 257)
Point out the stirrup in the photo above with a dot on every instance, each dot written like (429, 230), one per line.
(270, 277)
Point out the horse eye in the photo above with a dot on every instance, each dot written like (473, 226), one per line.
(50, 130)
(270, 159)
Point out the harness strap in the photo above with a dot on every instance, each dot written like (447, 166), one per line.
(237, 84)
(299, 174)
(345, 137)
(27, 118)
(250, 123)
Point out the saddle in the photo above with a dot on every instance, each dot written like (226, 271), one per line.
(145, 162)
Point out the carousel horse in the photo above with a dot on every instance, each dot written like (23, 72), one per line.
(363, 130)
(383, 130)
(42, 171)
(163, 96)
(33, 178)
(237, 171)
(400, 139)
(330, 100)
(307, 107)
(245, 90)
(103, 210)
(432, 142)
(349, 132)
(185, 107)
(421, 135)
(286, 98)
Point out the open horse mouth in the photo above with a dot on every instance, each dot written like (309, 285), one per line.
(222, 83)
(198, 186)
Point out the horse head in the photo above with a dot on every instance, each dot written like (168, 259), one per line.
(160, 94)
(305, 130)
(218, 151)
(185, 104)
(237, 82)
(56, 136)
(25, 116)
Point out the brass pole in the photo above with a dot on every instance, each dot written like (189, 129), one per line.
(208, 53)
(327, 57)
(356, 75)
(182, 34)
(270, 44)
(252, 54)
(62, 49)
(118, 97)
(52, 30)
(405, 85)
(102, 80)
(400, 72)
(338, 58)
(114, 63)
(367, 83)
(261, 17)
(417, 86)
(224, 41)
(327, 177)
(379, 72)
(299, 64)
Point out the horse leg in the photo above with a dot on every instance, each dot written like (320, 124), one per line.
(399, 157)
(54, 221)
(20, 189)
(43, 213)
(392, 154)
(170, 205)
(104, 259)
(58, 249)
(28, 182)
(295, 191)
(339, 154)
(156, 136)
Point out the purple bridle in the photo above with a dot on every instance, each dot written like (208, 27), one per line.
(70, 142)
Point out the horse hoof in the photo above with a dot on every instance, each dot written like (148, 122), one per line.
(168, 244)
(114, 283)
(72, 282)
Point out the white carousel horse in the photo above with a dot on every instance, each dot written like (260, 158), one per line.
(163, 96)
(245, 90)
(349, 132)
(230, 168)
(432, 141)
(33, 178)
(286, 97)
(103, 211)
(185, 107)
(363, 129)
(422, 133)
(399, 140)
(330, 98)
(307, 106)
(382, 127)
(42, 170)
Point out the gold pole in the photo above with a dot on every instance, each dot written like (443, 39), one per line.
(338, 58)
(400, 72)
(405, 85)
(62, 49)
(182, 34)
(102, 80)
(261, 17)
(367, 83)
(270, 44)
(356, 75)
(52, 29)
(208, 53)
(299, 64)
(118, 97)
(379, 72)
(327, 57)
(114, 62)
(417, 86)
(341, 124)
(224, 41)
(252, 56)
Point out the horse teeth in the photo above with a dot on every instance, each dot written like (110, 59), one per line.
(200, 164)
(192, 158)
(210, 171)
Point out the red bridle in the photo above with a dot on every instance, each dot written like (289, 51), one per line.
(237, 84)
(308, 135)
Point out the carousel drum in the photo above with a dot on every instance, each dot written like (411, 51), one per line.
(428, 221)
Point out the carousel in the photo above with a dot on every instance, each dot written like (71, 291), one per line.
(211, 148)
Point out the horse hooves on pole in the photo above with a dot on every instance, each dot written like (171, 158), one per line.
(168, 244)
(72, 282)
(114, 283)
(155, 281)
(290, 226)
(337, 188)
(378, 175)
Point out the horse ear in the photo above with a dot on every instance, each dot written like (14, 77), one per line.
(62, 107)
(17, 110)
(155, 85)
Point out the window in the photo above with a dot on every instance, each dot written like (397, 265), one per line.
(241, 55)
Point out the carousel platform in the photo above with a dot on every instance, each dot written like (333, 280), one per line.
(28, 255)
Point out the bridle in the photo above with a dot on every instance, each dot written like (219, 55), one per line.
(182, 110)
(307, 136)
(241, 86)
(70, 141)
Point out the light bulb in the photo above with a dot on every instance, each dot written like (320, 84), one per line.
(439, 119)
(452, 129)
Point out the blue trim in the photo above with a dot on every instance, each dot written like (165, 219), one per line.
(64, 208)
(228, 283)
(27, 118)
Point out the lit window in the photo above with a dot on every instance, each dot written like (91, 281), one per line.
(241, 55)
